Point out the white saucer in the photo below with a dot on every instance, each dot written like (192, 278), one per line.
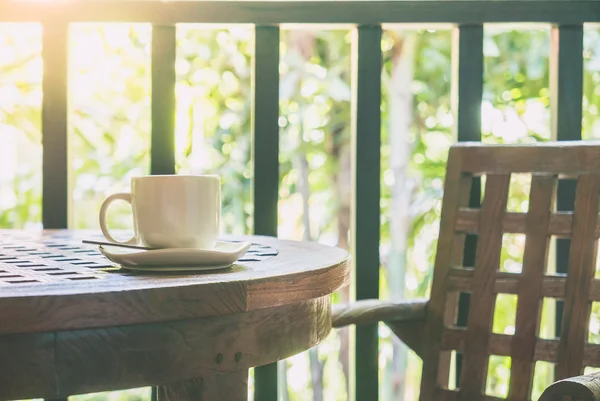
(223, 255)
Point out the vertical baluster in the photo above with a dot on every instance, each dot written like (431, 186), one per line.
(162, 135)
(55, 198)
(467, 81)
(467, 93)
(566, 93)
(162, 148)
(566, 81)
(265, 156)
(366, 148)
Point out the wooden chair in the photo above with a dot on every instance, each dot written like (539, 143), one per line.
(429, 327)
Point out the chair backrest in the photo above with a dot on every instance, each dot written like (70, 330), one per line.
(493, 165)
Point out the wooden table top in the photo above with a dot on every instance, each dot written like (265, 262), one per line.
(50, 280)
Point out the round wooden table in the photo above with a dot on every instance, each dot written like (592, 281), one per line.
(71, 322)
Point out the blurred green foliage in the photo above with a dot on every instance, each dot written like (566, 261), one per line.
(109, 140)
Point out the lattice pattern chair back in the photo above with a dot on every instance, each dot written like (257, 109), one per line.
(476, 342)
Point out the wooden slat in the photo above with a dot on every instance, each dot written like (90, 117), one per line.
(514, 223)
(335, 12)
(265, 156)
(570, 158)
(582, 264)
(467, 94)
(451, 395)
(591, 355)
(162, 148)
(501, 344)
(230, 387)
(366, 149)
(454, 197)
(464, 249)
(461, 280)
(55, 125)
(566, 93)
(530, 286)
(482, 299)
(27, 368)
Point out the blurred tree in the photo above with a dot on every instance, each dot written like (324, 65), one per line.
(110, 89)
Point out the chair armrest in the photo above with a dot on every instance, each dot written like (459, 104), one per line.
(373, 311)
(578, 388)
(405, 318)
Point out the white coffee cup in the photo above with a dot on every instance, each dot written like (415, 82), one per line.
(171, 211)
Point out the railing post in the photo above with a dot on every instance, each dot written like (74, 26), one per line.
(566, 96)
(162, 142)
(265, 156)
(55, 171)
(467, 94)
(162, 134)
(366, 166)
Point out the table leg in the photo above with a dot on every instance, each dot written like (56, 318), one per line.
(226, 387)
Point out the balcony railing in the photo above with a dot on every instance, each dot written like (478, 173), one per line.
(367, 17)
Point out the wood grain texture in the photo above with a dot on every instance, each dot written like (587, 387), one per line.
(160, 353)
(451, 395)
(374, 311)
(482, 299)
(411, 333)
(182, 391)
(229, 387)
(301, 271)
(582, 264)
(568, 157)
(27, 364)
(553, 286)
(440, 334)
(514, 223)
(501, 344)
(530, 286)
(578, 388)
(405, 318)
(329, 12)
(456, 190)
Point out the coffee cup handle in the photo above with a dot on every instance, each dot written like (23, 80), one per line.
(124, 196)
